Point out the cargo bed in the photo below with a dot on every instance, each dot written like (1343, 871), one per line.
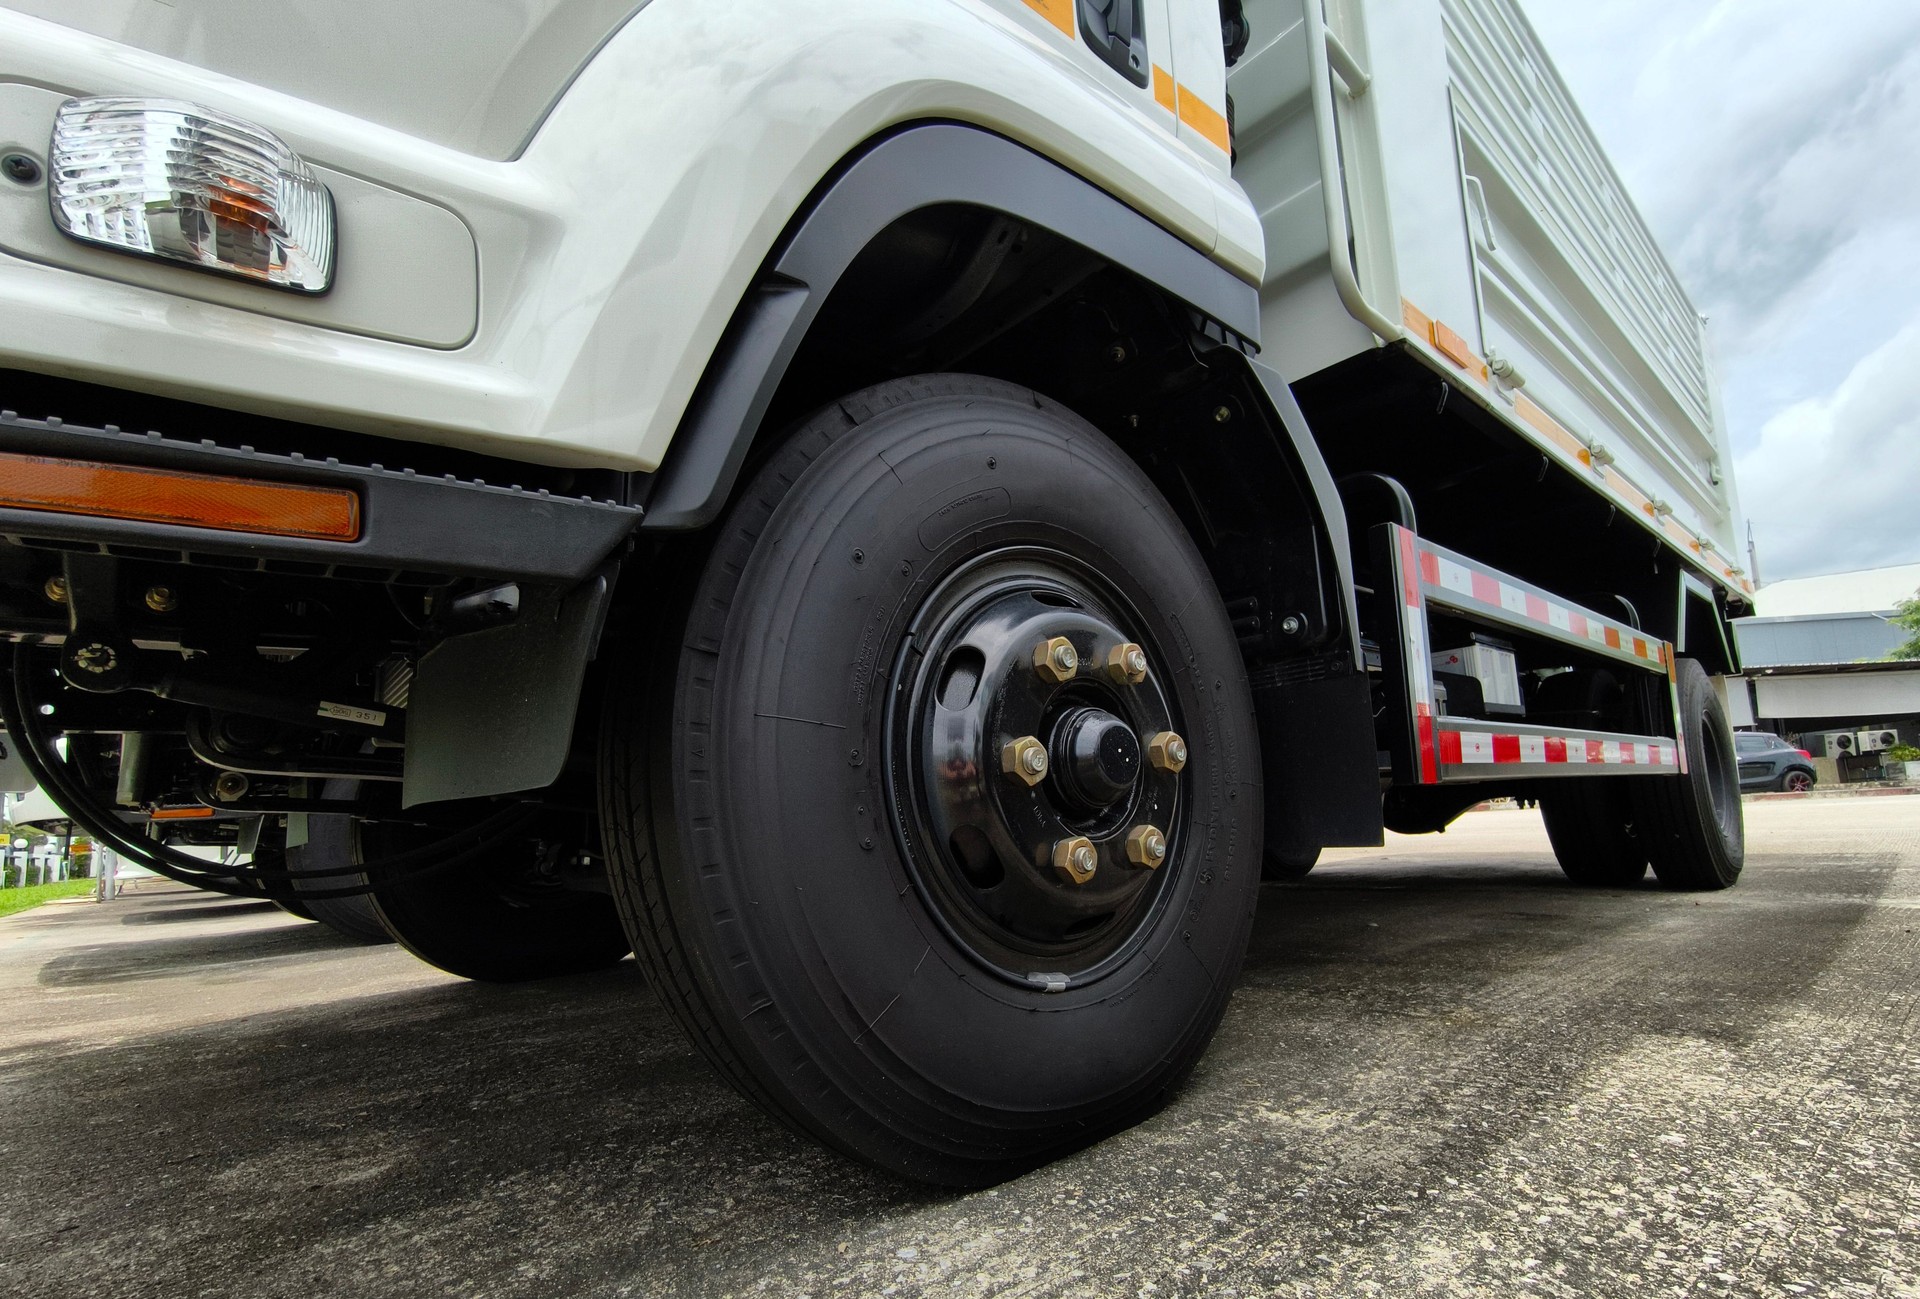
(1427, 183)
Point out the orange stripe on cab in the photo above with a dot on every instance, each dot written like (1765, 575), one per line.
(1163, 88)
(1057, 12)
(1202, 117)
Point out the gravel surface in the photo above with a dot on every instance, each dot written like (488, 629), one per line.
(1445, 1073)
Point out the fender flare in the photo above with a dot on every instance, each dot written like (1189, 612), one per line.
(918, 167)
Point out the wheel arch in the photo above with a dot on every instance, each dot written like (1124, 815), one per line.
(942, 194)
(995, 260)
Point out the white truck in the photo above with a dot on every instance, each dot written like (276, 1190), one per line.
(897, 512)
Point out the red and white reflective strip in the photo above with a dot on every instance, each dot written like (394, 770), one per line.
(1460, 748)
(1448, 573)
(1419, 658)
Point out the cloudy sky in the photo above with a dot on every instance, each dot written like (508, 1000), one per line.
(1775, 149)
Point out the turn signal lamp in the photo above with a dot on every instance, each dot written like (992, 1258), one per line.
(166, 179)
(191, 500)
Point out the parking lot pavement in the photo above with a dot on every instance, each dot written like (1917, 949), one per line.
(1445, 1073)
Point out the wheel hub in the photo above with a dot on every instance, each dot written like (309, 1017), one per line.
(1095, 757)
(1019, 768)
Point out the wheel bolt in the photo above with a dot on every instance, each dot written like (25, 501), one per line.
(1024, 759)
(56, 589)
(1055, 660)
(1076, 859)
(1146, 846)
(1127, 664)
(161, 599)
(1167, 752)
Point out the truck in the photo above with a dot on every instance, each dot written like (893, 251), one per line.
(898, 517)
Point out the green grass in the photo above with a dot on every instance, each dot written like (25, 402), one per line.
(12, 900)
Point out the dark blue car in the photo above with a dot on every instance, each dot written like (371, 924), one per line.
(1769, 762)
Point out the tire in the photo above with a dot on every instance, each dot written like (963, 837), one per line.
(1691, 825)
(1795, 780)
(293, 907)
(1278, 867)
(330, 844)
(493, 917)
(771, 810)
(1590, 824)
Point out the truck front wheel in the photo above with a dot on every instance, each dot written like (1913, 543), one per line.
(937, 825)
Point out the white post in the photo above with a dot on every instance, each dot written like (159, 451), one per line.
(107, 866)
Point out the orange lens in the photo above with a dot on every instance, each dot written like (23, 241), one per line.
(191, 500)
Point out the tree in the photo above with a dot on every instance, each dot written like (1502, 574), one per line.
(1906, 616)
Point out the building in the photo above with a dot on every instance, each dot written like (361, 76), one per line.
(1817, 669)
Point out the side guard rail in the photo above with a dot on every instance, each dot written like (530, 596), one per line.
(1414, 575)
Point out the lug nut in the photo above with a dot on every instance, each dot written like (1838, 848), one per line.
(1167, 751)
(229, 785)
(1025, 759)
(1055, 660)
(161, 599)
(56, 589)
(1146, 846)
(1127, 664)
(1076, 859)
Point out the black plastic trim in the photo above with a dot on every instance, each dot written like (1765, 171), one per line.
(920, 167)
(1326, 495)
(413, 523)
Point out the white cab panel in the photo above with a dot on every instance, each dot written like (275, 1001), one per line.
(614, 249)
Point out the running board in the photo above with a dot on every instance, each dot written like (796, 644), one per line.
(1429, 749)
(1470, 749)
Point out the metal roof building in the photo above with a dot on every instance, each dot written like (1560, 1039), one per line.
(1816, 652)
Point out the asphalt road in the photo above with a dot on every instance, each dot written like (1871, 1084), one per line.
(1445, 1073)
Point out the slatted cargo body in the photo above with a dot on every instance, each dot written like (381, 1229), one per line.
(1425, 178)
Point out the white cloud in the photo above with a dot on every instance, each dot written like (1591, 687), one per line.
(1833, 482)
(1776, 154)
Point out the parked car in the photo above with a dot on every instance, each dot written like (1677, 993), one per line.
(1769, 762)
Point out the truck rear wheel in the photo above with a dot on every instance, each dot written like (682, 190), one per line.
(904, 838)
(1589, 822)
(330, 844)
(502, 915)
(1280, 867)
(1692, 826)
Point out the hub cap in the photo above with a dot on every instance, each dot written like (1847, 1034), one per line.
(999, 853)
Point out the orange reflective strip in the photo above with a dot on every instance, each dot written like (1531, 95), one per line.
(1057, 12)
(1450, 345)
(1201, 116)
(1163, 88)
(180, 813)
(190, 500)
(1442, 339)
(1528, 410)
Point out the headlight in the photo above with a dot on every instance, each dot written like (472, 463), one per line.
(171, 180)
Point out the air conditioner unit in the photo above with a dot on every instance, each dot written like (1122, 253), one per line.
(1842, 743)
(1876, 740)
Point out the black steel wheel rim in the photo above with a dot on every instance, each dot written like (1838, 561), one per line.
(979, 841)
